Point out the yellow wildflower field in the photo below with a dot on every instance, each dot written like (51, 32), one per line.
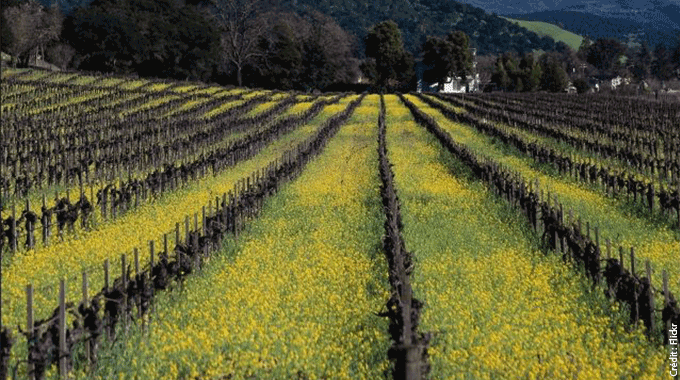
(295, 296)
(496, 306)
(44, 266)
(652, 242)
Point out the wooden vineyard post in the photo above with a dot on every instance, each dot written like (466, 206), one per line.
(88, 342)
(609, 249)
(103, 194)
(13, 230)
(123, 276)
(666, 301)
(187, 231)
(139, 301)
(135, 253)
(29, 328)
(152, 260)
(197, 257)
(31, 227)
(621, 256)
(63, 371)
(650, 312)
(632, 261)
(205, 230)
(109, 329)
(176, 239)
(45, 223)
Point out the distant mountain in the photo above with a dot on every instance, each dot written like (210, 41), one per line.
(655, 21)
(419, 18)
(416, 18)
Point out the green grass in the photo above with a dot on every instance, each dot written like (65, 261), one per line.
(555, 32)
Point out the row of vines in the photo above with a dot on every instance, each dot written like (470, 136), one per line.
(156, 229)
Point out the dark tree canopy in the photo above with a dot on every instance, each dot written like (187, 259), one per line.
(554, 78)
(150, 37)
(389, 65)
(446, 58)
(303, 53)
(546, 73)
(663, 68)
(605, 54)
(641, 62)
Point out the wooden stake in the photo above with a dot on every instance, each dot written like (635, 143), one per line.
(632, 261)
(88, 343)
(63, 373)
(609, 249)
(29, 326)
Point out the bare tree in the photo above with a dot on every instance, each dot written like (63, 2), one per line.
(486, 64)
(32, 27)
(241, 25)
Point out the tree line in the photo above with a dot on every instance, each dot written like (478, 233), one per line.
(245, 42)
(602, 60)
(262, 43)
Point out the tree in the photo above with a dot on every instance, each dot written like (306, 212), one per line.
(581, 85)
(447, 58)
(662, 68)
(605, 55)
(302, 52)
(437, 56)
(159, 38)
(675, 59)
(530, 72)
(500, 76)
(282, 61)
(554, 77)
(32, 27)
(328, 53)
(642, 62)
(389, 66)
(242, 26)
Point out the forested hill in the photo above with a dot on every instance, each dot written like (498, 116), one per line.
(419, 18)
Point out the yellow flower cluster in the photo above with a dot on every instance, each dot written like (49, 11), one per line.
(84, 79)
(184, 89)
(34, 74)
(60, 78)
(496, 307)
(71, 101)
(652, 242)
(133, 84)
(10, 72)
(44, 266)
(110, 82)
(222, 108)
(157, 87)
(151, 104)
(295, 296)
(209, 90)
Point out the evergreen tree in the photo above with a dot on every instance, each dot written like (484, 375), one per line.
(389, 66)
(554, 78)
(642, 62)
(662, 68)
(500, 76)
(605, 54)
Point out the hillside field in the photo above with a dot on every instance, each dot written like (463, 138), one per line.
(553, 31)
(179, 230)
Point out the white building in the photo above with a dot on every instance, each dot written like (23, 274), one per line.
(452, 85)
(455, 85)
